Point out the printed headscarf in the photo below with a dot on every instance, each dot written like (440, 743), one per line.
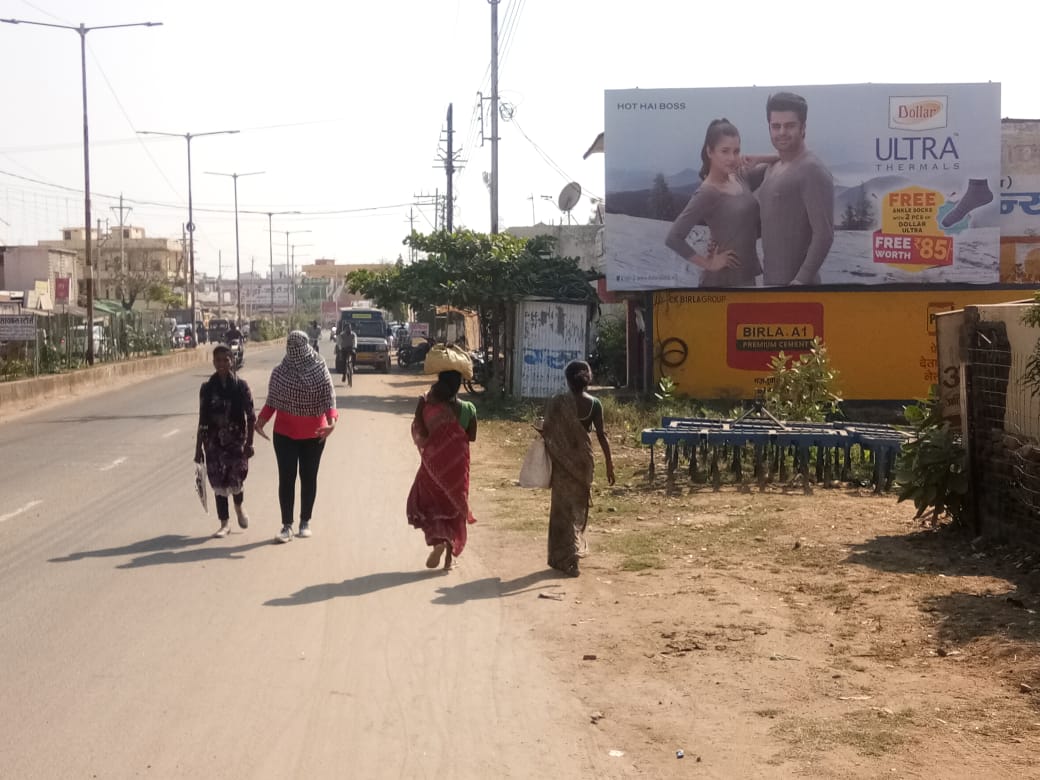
(301, 383)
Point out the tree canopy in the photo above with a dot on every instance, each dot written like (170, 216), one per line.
(479, 271)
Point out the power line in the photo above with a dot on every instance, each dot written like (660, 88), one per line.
(545, 156)
(159, 204)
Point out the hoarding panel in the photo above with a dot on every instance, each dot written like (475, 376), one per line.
(896, 186)
(719, 345)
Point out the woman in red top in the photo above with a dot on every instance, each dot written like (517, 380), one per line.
(301, 393)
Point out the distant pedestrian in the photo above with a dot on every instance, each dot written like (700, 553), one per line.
(302, 400)
(438, 503)
(568, 419)
(225, 437)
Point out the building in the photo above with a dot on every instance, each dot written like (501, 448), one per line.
(36, 268)
(126, 262)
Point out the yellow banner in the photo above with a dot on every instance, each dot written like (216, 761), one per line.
(883, 343)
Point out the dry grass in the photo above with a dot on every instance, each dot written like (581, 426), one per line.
(872, 732)
(842, 579)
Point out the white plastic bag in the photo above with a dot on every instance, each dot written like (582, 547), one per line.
(536, 472)
(200, 485)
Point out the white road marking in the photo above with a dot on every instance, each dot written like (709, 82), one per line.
(174, 432)
(113, 464)
(15, 513)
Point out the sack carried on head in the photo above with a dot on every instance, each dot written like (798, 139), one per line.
(448, 357)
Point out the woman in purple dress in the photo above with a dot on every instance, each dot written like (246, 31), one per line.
(225, 437)
(724, 202)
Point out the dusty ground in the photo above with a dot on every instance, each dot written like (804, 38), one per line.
(772, 634)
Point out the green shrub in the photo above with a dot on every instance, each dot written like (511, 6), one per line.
(932, 470)
(804, 388)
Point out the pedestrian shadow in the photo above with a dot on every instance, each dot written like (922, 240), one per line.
(357, 586)
(495, 587)
(153, 545)
(213, 552)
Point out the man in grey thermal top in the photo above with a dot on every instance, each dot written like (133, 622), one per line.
(796, 200)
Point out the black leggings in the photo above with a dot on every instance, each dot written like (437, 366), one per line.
(303, 455)
(222, 506)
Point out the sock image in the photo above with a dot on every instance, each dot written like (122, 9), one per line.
(978, 194)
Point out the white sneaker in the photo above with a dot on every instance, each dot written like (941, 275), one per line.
(285, 535)
(243, 518)
(305, 530)
(223, 531)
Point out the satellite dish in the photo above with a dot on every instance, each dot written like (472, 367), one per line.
(569, 196)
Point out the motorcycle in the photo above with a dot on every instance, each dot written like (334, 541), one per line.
(237, 354)
(483, 371)
(414, 352)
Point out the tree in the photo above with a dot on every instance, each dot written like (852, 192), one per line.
(858, 215)
(131, 285)
(661, 206)
(160, 292)
(477, 271)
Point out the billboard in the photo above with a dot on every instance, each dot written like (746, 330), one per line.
(1020, 201)
(879, 184)
(883, 343)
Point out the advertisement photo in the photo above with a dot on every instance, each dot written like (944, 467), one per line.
(864, 184)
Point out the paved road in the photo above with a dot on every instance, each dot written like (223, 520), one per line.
(134, 645)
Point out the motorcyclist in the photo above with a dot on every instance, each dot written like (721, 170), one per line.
(231, 336)
(233, 333)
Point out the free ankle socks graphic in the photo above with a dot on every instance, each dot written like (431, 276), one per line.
(978, 194)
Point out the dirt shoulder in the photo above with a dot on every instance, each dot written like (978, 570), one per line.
(771, 634)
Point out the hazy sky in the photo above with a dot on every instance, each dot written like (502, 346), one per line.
(343, 104)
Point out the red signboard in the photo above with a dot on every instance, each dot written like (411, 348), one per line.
(758, 331)
(61, 289)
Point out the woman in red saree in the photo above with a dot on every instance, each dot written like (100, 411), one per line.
(438, 503)
(569, 417)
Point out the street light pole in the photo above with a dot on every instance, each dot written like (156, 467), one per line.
(270, 245)
(238, 262)
(191, 214)
(82, 31)
(292, 265)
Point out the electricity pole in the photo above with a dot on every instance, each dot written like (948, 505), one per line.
(238, 261)
(122, 251)
(449, 158)
(494, 115)
(191, 213)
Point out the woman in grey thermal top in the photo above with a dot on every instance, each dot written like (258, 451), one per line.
(726, 204)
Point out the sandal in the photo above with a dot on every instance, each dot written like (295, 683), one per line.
(434, 559)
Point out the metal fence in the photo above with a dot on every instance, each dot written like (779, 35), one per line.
(1002, 427)
(60, 342)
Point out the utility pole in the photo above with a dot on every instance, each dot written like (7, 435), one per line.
(290, 261)
(430, 200)
(220, 286)
(411, 229)
(494, 115)
(448, 159)
(238, 262)
(97, 262)
(122, 250)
